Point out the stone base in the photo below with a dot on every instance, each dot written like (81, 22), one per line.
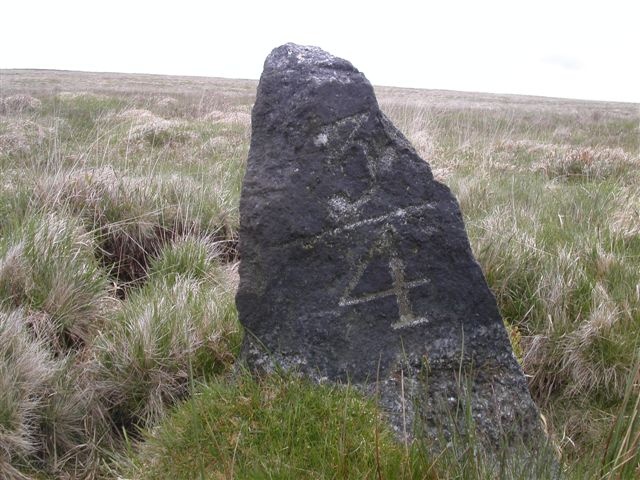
(425, 401)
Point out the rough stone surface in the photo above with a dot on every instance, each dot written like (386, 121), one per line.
(355, 264)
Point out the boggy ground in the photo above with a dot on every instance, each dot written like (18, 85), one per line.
(118, 225)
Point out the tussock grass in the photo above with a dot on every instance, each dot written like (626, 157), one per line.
(590, 162)
(133, 216)
(117, 267)
(75, 430)
(149, 129)
(48, 266)
(173, 330)
(20, 137)
(49, 419)
(19, 103)
(622, 451)
(26, 369)
(191, 257)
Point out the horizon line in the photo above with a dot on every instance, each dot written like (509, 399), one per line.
(99, 72)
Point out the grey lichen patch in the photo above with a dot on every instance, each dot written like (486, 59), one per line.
(321, 140)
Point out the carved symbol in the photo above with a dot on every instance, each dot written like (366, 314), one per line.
(341, 205)
(399, 287)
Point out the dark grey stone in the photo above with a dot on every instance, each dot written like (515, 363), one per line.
(355, 264)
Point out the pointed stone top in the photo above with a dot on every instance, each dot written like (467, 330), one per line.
(303, 87)
(299, 57)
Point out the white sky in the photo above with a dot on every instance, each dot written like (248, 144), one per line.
(566, 48)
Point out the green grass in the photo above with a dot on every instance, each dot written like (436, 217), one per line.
(285, 427)
(167, 333)
(282, 426)
(49, 266)
(118, 231)
(275, 428)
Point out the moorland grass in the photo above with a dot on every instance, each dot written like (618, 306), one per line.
(118, 225)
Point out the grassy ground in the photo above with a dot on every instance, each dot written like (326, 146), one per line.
(118, 333)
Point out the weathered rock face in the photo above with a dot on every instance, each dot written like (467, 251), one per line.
(355, 261)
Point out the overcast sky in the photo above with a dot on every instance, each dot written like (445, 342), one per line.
(565, 48)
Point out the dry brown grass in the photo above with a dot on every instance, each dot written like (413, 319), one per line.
(26, 370)
(590, 162)
(48, 268)
(19, 103)
(243, 118)
(625, 221)
(21, 136)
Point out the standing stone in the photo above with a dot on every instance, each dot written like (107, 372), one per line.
(355, 264)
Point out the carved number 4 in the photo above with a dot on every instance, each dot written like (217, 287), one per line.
(399, 288)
